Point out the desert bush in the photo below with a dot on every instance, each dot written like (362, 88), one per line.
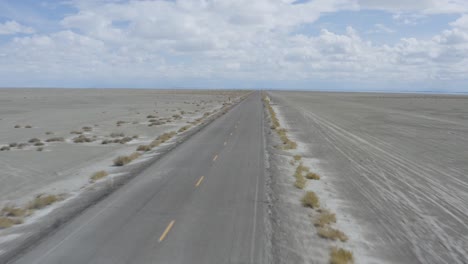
(297, 157)
(40, 149)
(98, 175)
(49, 133)
(166, 136)
(122, 160)
(38, 144)
(17, 126)
(155, 143)
(150, 116)
(34, 140)
(117, 134)
(135, 136)
(28, 126)
(300, 182)
(331, 233)
(4, 148)
(144, 148)
(106, 141)
(43, 200)
(341, 256)
(22, 145)
(76, 132)
(13, 211)
(184, 128)
(325, 218)
(82, 139)
(87, 128)
(55, 139)
(6, 222)
(311, 200)
(312, 176)
(12, 145)
(125, 140)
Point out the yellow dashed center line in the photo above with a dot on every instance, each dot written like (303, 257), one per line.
(199, 181)
(168, 228)
(215, 157)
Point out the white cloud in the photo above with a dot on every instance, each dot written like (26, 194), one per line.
(13, 27)
(237, 39)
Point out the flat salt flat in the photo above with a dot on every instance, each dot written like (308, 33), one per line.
(67, 166)
(398, 164)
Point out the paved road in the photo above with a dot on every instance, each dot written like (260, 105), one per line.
(201, 203)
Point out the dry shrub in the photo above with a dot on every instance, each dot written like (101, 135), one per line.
(49, 133)
(311, 200)
(17, 126)
(6, 222)
(28, 126)
(297, 157)
(4, 148)
(43, 200)
(117, 134)
(34, 140)
(12, 211)
(331, 233)
(341, 256)
(184, 128)
(325, 218)
(87, 128)
(74, 132)
(98, 175)
(125, 140)
(22, 145)
(12, 145)
(40, 149)
(82, 139)
(119, 123)
(312, 176)
(122, 160)
(144, 148)
(55, 139)
(37, 144)
(150, 116)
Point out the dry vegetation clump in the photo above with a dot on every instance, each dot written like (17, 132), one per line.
(98, 175)
(184, 128)
(43, 200)
(300, 182)
(331, 233)
(13, 211)
(75, 132)
(49, 133)
(341, 256)
(17, 126)
(312, 176)
(38, 144)
(87, 128)
(311, 200)
(28, 126)
(166, 136)
(34, 140)
(144, 148)
(40, 149)
(297, 157)
(325, 218)
(6, 222)
(4, 148)
(82, 139)
(123, 160)
(150, 116)
(22, 145)
(12, 145)
(55, 139)
(287, 143)
(120, 122)
(125, 140)
(117, 134)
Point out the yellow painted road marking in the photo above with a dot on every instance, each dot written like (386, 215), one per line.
(199, 181)
(215, 157)
(168, 228)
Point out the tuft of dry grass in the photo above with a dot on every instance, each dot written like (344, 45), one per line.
(38, 144)
(150, 116)
(144, 148)
(125, 140)
(74, 132)
(87, 128)
(17, 126)
(55, 139)
(310, 199)
(312, 176)
(6, 222)
(12, 145)
(297, 157)
(28, 126)
(123, 160)
(341, 256)
(325, 218)
(300, 182)
(40, 149)
(43, 200)
(34, 140)
(49, 133)
(98, 175)
(331, 233)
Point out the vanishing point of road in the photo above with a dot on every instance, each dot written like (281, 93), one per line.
(200, 203)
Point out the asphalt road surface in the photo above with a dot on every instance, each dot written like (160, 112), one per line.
(201, 203)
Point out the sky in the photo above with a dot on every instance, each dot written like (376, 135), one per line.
(355, 45)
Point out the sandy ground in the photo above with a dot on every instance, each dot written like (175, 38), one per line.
(394, 169)
(65, 167)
